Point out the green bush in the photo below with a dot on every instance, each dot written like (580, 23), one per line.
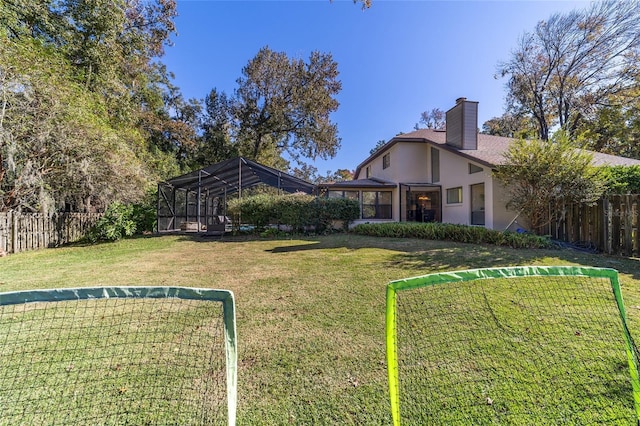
(299, 212)
(144, 214)
(117, 222)
(451, 232)
(257, 210)
(622, 179)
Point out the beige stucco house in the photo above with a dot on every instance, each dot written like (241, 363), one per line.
(438, 175)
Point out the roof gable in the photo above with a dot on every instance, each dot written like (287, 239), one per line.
(490, 150)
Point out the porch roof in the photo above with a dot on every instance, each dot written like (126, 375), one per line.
(420, 184)
(359, 183)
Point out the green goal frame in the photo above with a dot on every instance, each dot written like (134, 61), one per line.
(225, 297)
(394, 287)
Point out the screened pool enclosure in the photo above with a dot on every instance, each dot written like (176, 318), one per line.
(197, 201)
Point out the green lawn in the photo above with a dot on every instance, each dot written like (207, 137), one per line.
(310, 311)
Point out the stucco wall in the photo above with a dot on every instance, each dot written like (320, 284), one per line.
(411, 163)
(407, 163)
(506, 219)
(454, 172)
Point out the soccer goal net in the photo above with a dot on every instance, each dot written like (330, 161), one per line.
(518, 346)
(118, 355)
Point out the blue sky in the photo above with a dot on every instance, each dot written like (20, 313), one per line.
(396, 59)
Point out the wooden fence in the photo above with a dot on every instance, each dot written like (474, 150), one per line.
(31, 231)
(609, 226)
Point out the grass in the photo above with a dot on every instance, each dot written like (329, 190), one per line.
(310, 311)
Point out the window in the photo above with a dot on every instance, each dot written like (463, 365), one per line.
(435, 165)
(376, 205)
(474, 169)
(386, 160)
(368, 172)
(352, 195)
(454, 195)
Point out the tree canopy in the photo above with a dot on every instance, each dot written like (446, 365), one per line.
(510, 126)
(281, 108)
(614, 128)
(572, 64)
(87, 116)
(285, 104)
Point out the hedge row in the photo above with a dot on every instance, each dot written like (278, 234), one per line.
(299, 212)
(450, 232)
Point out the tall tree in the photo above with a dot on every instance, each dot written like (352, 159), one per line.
(170, 123)
(79, 95)
(284, 105)
(572, 62)
(112, 45)
(56, 147)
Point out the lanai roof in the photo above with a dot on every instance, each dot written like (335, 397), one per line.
(230, 175)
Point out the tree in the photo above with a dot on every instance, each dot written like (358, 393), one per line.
(510, 126)
(572, 62)
(434, 119)
(215, 144)
(537, 172)
(339, 175)
(614, 129)
(56, 147)
(170, 123)
(306, 172)
(344, 174)
(284, 105)
(86, 116)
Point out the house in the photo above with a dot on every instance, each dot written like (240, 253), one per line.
(436, 175)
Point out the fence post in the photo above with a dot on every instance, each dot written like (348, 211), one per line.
(14, 231)
(5, 233)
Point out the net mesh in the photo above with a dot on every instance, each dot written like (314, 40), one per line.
(519, 350)
(113, 361)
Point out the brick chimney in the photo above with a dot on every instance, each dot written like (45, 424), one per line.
(462, 124)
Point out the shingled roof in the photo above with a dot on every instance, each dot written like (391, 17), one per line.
(490, 150)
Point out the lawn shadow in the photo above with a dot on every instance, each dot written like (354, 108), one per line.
(417, 255)
(458, 256)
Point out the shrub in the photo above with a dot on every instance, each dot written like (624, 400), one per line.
(256, 210)
(622, 179)
(145, 213)
(300, 212)
(451, 232)
(117, 222)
